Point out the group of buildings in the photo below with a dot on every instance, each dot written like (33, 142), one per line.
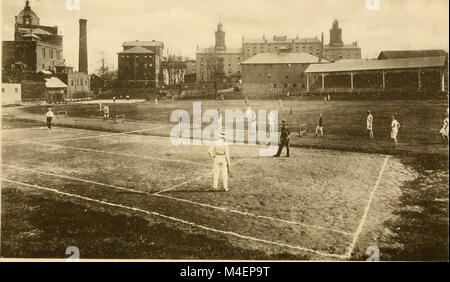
(33, 64)
(264, 67)
(282, 66)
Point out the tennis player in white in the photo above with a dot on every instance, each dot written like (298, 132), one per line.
(220, 154)
(395, 126)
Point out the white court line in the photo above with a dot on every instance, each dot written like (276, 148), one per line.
(48, 138)
(366, 210)
(178, 199)
(114, 153)
(254, 215)
(25, 128)
(177, 220)
(74, 178)
(110, 134)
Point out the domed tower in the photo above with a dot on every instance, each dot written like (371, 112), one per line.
(27, 17)
(220, 38)
(336, 35)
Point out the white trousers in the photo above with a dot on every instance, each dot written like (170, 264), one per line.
(220, 169)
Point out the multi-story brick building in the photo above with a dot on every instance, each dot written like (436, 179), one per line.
(255, 46)
(35, 47)
(337, 50)
(138, 66)
(155, 46)
(218, 61)
(276, 74)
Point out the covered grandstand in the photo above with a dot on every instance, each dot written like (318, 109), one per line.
(412, 75)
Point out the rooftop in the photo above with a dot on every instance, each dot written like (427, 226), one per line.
(282, 58)
(219, 51)
(143, 43)
(345, 46)
(361, 65)
(402, 54)
(281, 39)
(54, 82)
(136, 50)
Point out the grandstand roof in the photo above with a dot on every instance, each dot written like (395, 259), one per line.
(403, 54)
(362, 65)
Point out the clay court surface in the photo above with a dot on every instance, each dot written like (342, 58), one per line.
(318, 204)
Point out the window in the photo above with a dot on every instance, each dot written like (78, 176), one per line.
(3, 89)
(58, 55)
(295, 85)
(50, 54)
(71, 82)
(43, 66)
(43, 52)
(81, 80)
(16, 90)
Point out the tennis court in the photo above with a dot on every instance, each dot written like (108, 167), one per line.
(322, 204)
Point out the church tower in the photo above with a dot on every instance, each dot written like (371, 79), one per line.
(220, 38)
(336, 35)
(27, 17)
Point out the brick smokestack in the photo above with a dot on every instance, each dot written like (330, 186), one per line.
(82, 57)
(321, 48)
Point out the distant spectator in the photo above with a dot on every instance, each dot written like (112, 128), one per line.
(280, 103)
(370, 124)
(128, 97)
(271, 121)
(329, 98)
(114, 99)
(50, 115)
(156, 101)
(105, 112)
(100, 106)
(395, 126)
(325, 100)
(319, 127)
(444, 130)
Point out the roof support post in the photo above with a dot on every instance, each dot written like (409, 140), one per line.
(307, 82)
(323, 81)
(442, 80)
(384, 79)
(351, 81)
(419, 81)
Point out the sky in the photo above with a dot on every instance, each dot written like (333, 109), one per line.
(185, 24)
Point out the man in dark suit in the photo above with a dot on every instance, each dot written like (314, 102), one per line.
(284, 139)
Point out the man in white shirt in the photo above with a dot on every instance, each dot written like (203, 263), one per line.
(271, 119)
(105, 112)
(220, 154)
(395, 126)
(50, 115)
(251, 120)
(370, 124)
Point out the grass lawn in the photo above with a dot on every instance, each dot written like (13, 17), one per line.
(344, 121)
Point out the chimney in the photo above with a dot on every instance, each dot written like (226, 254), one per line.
(321, 48)
(82, 56)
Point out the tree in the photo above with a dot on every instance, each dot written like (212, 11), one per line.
(106, 74)
(214, 64)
